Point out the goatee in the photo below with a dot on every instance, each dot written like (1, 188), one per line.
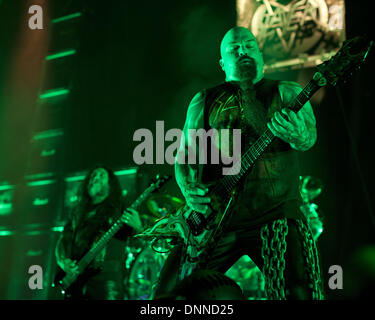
(254, 111)
(247, 70)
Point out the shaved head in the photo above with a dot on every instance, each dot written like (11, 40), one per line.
(235, 34)
(241, 59)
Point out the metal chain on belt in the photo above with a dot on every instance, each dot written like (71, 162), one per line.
(310, 253)
(273, 253)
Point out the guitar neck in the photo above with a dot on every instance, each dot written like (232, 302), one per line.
(248, 158)
(99, 245)
(102, 242)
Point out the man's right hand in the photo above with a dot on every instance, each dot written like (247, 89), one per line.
(196, 198)
(69, 266)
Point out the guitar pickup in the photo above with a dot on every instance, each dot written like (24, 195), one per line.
(196, 222)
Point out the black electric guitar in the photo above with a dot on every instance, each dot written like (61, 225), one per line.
(200, 233)
(71, 285)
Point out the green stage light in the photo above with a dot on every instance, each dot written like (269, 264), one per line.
(61, 54)
(40, 183)
(74, 178)
(48, 134)
(68, 17)
(6, 187)
(4, 233)
(58, 228)
(53, 93)
(125, 172)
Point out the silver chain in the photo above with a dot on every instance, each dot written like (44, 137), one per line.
(273, 254)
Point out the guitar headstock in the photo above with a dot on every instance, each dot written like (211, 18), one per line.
(347, 60)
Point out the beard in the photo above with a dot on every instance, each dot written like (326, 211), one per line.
(247, 71)
(254, 111)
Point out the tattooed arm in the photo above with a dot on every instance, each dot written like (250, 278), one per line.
(299, 129)
(187, 174)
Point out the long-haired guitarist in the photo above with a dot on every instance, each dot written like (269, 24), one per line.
(100, 204)
(266, 223)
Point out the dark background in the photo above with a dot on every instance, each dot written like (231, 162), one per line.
(138, 63)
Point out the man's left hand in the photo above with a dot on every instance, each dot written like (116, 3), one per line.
(292, 130)
(132, 219)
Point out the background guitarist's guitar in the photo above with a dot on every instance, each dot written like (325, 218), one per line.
(200, 233)
(70, 284)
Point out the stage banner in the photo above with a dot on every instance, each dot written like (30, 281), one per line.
(294, 34)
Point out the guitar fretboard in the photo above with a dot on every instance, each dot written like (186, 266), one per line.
(102, 242)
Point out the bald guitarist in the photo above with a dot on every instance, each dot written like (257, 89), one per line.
(266, 223)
